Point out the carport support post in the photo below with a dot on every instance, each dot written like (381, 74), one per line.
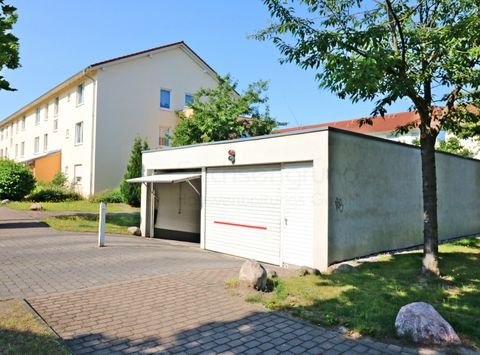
(101, 225)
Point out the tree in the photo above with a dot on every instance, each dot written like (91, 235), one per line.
(220, 113)
(426, 51)
(450, 145)
(16, 180)
(9, 57)
(453, 145)
(131, 192)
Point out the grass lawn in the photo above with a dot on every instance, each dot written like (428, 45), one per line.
(114, 224)
(74, 206)
(21, 333)
(367, 302)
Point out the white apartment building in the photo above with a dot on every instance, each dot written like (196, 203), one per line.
(85, 126)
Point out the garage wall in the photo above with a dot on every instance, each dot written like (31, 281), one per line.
(375, 196)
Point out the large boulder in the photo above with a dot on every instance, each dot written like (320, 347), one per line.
(421, 322)
(36, 207)
(253, 274)
(134, 231)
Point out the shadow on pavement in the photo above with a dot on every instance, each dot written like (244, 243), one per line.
(18, 225)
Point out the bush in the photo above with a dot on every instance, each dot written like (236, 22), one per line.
(59, 180)
(54, 194)
(16, 180)
(109, 196)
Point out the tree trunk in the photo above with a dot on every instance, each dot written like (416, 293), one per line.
(430, 226)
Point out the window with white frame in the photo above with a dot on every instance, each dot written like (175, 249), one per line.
(45, 142)
(55, 124)
(37, 117)
(1, 153)
(67, 133)
(164, 136)
(6, 133)
(24, 119)
(80, 91)
(188, 100)
(56, 106)
(6, 153)
(77, 174)
(22, 149)
(165, 99)
(46, 112)
(36, 145)
(16, 151)
(79, 133)
(1, 134)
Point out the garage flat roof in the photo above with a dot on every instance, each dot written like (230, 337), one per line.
(168, 178)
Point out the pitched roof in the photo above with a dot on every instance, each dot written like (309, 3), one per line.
(389, 123)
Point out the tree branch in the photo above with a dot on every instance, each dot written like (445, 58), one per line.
(400, 31)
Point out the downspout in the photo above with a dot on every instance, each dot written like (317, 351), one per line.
(93, 133)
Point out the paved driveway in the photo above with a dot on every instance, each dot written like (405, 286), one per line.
(147, 296)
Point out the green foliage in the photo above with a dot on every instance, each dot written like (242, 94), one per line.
(51, 193)
(16, 180)
(387, 51)
(109, 196)
(453, 145)
(220, 114)
(9, 57)
(59, 180)
(131, 192)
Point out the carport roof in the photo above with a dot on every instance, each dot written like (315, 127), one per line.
(168, 178)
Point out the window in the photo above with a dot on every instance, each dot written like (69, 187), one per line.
(77, 174)
(66, 170)
(79, 133)
(22, 149)
(16, 151)
(1, 153)
(80, 90)
(17, 126)
(6, 133)
(24, 119)
(165, 99)
(164, 136)
(55, 124)
(56, 106)
(36, 145)
(67, 133)
(1, 134)
(37, 117)
(188, 99)
(68, 97)
(6, 153)
(46, 112)
(45, 142)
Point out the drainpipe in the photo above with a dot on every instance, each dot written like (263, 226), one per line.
(93, 134)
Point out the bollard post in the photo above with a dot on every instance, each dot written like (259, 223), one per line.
(101, 225)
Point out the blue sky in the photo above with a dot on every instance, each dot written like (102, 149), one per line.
(59, 38)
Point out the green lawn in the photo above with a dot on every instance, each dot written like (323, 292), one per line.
(367, 302)
(114, 224)
(21, 333)
(74, 206)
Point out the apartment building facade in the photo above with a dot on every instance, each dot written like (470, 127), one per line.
(85, 126)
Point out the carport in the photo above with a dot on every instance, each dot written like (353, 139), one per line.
(174, 204)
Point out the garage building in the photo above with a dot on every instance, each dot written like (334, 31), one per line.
(304, 198)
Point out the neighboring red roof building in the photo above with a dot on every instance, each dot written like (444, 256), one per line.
(388, 123)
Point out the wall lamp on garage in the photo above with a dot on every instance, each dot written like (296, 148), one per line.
(231, 156)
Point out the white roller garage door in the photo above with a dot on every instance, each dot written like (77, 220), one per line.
(243, 211)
